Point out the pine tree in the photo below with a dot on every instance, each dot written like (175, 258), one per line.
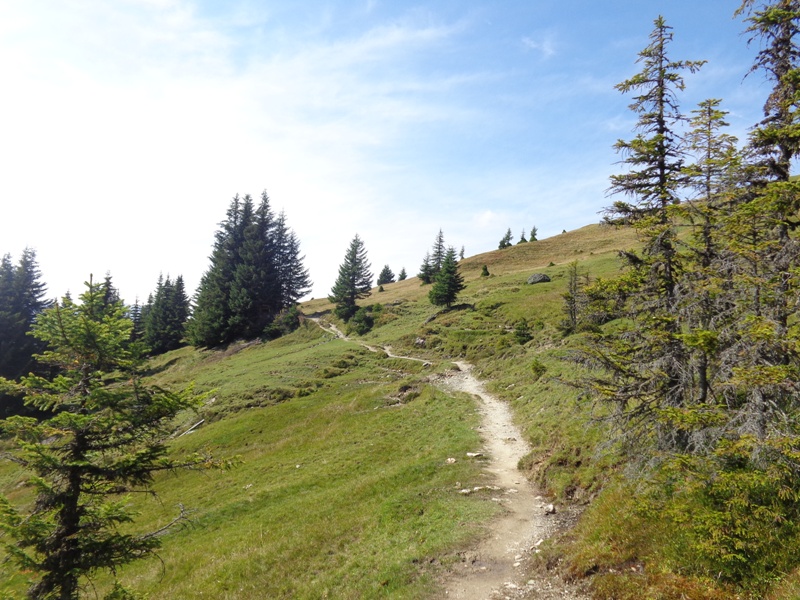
(448, 283)
(166, 316)
(106, 438)
(354, 280)
(212, 311)
(21, 301)
(426, 270)
(293, 277)
(256, 274)
(402, 275)
(438, 253)
(533, 234)
(646, 366)
(522, 239)
(505, 242)
(461, 253)
(386, 276)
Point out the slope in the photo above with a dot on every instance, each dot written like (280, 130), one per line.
(343, 486)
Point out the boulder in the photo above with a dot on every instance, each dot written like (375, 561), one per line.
(538, 278)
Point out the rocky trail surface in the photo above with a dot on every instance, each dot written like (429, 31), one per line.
(499, 568)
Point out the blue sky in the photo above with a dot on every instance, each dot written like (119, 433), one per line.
(126, 126)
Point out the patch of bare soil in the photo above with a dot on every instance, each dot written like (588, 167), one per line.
(497, 568)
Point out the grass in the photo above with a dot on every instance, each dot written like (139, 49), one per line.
(342, 487)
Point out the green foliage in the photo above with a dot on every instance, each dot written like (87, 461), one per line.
(402, 275)
(104, 440)
(522, 239)
(448, 283)
(505, 242)
(21, 301)
(256, 272)
(522, 331)
(386, 276)
(287, 321)
(354, 280)
(362, 321)
(165, 315)
(484, 271)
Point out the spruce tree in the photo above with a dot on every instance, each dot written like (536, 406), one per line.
(105, 439)
(438, 253)
(386, 276)
(166, 316)
(647, 365)
(22, 299)
(522, 239)
(256, 273)
(426, 270)
(448, 283)
(533, 234)
(354, 281)
(293, 277)
(505, 242)
(402, 275)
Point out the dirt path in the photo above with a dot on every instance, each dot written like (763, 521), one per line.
(496, 568)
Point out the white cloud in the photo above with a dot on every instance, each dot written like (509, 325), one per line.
(544, 44)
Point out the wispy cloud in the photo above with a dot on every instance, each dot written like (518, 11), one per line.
(544, 44)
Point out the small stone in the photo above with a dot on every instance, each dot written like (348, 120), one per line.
(550, 509)
(516, 564)
(450, 461)
(474, 454)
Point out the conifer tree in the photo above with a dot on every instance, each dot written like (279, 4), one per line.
(21, 301)
(354, 281)
(522, 239)
(402, 275)
(448, 283)
(426, 270)
(105, 438)
(166, 316)
(505, 242)
(533, 234)
(438, 253)
(385, 276)
(650, 377)
(256, 273)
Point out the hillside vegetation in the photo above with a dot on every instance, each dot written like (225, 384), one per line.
(341, 487)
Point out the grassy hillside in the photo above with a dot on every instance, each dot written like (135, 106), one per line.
(342, 487)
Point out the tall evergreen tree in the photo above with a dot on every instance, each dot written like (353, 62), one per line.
(505, 242)
(354, 280)
(426, 270)
(646, 367)
(106, 438)
(22, 299)
(438, 253)
(293, 277)
(166, 316)
(385, 276)
(256, 272)
(448, 283)
(402, 275)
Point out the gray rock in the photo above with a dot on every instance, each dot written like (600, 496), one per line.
(538, 278)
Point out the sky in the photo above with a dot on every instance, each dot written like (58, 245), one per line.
(127, 126)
